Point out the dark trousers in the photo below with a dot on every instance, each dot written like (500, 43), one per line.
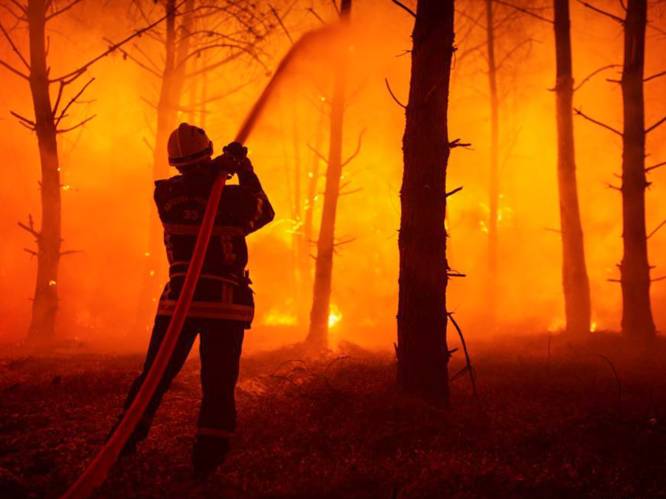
(219, 349)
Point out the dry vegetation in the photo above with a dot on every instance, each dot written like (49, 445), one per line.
(544, 426)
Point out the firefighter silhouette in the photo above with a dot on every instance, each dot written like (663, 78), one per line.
(223, 304)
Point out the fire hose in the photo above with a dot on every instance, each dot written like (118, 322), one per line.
(98, 469)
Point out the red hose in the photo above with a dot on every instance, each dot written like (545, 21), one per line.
(97, 470)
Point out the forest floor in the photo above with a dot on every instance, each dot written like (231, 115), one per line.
(552, 419)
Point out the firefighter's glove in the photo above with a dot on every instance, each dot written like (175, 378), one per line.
(233, 160)
(237, 154)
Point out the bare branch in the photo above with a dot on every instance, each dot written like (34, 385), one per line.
(601, 11)
(61, 87)
(30, 227)
(23, 119)
(127, 55)
(457, 143)
(388, 87)
(654, 167)
(241, 49)
(63, 9)
(654, 231)
(14, 14)
(65, 130)
(318, 154)
(515, 49)
(356, 151)
(655, 76)
(596, 122)
(454, 191)
(655, 125)
(281, 23)
(342, 242)
(468, 360)
(214, 65)
(148, 145)
(151, 104)
(72, 75)
(14, 70)
(524, 11)
(20, 6)
(404, 7)
(594, 73)
(70, 252)
(72, 101)
(349, 192)
(314, 13)
(14, 47)
(658, 278)
(31, 252)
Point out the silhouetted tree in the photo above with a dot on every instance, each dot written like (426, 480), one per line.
(321, 294)
(493, 189)
(637, 320)
(47, 125)
(635, 270)
(422, 318)
(574, 272)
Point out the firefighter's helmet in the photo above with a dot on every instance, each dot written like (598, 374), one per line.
(188, 145)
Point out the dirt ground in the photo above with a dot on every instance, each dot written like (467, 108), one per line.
(552, 419)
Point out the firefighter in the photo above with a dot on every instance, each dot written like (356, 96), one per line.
(223, 304)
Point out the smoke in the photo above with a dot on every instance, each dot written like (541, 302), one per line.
(107, 191)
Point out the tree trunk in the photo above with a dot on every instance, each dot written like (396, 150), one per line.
(422, 319)
(45, 303)
(637, 319)
(173, 77)
(574, 272)
(308, 216)
(493, 191)
(300, 244)
(321, 296)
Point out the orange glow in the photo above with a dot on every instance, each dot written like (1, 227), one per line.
(107, 179)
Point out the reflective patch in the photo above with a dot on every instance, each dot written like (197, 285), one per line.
(211, 310)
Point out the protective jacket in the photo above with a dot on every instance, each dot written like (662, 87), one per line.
(223, 291)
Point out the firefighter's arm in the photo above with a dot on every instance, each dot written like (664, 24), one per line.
(235, 160)
(249, 181)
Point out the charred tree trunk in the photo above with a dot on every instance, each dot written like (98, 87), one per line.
(493, 191)
(317, 338)
(313, 180)
(422, 318)
(173, 76)
(637, 319)
(300, 244)
(45, 303)
(308, 218)
(574, 272)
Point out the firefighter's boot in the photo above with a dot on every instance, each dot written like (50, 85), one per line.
(208, 454)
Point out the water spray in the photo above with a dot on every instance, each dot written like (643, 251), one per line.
(98, 469)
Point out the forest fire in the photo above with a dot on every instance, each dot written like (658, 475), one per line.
(401, 251)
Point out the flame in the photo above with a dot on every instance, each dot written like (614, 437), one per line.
(593, 326)
(334, 316)
(556, 325)
(52, 283)
(276, 317)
